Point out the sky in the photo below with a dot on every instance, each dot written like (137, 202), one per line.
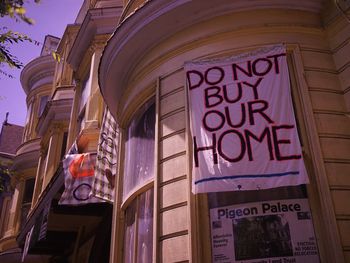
(51, 18)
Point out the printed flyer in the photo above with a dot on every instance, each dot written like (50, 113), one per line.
(264, 232)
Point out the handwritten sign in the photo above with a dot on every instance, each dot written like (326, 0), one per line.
(242, 122)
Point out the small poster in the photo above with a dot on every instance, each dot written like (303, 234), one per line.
(277, 231)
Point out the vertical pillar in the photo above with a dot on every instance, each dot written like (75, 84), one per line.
(53, 154)
(94, 105)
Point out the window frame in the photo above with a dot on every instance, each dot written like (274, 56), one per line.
(44, 99)
(148, 183)
(142, 188)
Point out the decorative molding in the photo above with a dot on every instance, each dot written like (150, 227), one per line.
(334, 136)
(347, 90)
(340, 92)
(334, 160)
(55, 110)
(344, 67)
(173, 180)
(323, 70)
(97, 21)
(340, 188)
(172, 113)
(332, 242)
(43, 75)
(171, 207)
(172, 235)
(341, 217)
(28, 146)
(149, 26)
(168, 158)
(172, 92)
(182, 131)
(330, 112)
(36, 70)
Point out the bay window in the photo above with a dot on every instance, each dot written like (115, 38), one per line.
(138, 186)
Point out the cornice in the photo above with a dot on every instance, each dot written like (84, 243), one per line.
(26, 160)
(98, 21)
(55, 110)
(38, 72)
(155, 21)
(68, 36)
(28, 146)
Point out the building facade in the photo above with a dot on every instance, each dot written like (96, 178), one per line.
(36, 80)
(144, 60)
(130, 56)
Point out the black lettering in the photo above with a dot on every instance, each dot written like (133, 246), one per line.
(221, 118)
(242, 146)
(278, 141)
(220, 77)
(239, 93)
(264, 105)
(266, 133)
(229, 118)
(259, 70)
(212, 96)
(197, 149)
(254, 86)
(275, 60)
(189, 78)
(247, 71)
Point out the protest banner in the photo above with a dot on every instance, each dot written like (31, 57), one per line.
(242, 123)
(79, 171)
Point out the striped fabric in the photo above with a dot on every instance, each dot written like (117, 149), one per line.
(106, 161)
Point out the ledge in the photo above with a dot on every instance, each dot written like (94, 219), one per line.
(55, 110)
(97, 21)
(27, 155)
(38, 72)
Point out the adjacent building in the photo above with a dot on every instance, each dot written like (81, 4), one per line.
(130, 57)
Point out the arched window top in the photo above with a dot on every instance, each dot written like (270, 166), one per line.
(139, 149)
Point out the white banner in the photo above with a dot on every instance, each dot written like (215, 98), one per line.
(79, 171)
(264, 232)
(242, 122)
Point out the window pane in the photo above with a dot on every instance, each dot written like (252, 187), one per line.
(139, 159)
(85, 91)
(145, 227)
(28, 191)
(29, 112)
(129, 234)
(43, 101)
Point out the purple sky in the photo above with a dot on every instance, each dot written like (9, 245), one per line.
(51, 18)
